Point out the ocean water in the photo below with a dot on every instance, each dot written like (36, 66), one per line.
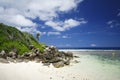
(98, 64)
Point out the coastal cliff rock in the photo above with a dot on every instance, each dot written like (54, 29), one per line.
(51, 55)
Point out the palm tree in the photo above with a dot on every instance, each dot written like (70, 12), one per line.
(37, 36)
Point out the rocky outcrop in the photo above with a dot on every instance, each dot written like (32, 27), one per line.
(14, 43)
(50, 55)
(3, 54)
(58, 64)
(2, 60)
(10, 59)
(12, 54)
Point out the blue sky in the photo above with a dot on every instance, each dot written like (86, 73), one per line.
(66, 23)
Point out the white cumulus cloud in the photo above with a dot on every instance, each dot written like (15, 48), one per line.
(21, 13)
(9, 16)
(66, 25)
(53, 33)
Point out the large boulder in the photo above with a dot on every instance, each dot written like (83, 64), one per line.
(68, 55)
(3, 54)
(47, 49)
(29, 56)
(53, 49)
(37, 59)
(32, 56)
(2, 60)
(19, 60)
(26, 55)
(10, 59)
(58, 64)
(55, 59)
(47, 55)
(46, 64)
(12, 55)
(37, 51)
(67, 62)
(26, 60)
(31, 47)
(61, 54)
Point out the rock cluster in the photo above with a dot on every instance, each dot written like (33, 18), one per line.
(51, 55)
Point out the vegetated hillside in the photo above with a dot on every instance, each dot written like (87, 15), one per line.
(11, 39)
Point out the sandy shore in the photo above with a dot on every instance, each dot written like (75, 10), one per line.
(36, 71)
(89, 68)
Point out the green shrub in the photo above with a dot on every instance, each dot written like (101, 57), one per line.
(12, 39)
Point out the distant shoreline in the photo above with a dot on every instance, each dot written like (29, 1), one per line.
(89, 49)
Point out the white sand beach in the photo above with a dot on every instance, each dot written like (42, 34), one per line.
(87, 69)
(36, 71)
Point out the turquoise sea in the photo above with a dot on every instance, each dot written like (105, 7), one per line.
(98, 64)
